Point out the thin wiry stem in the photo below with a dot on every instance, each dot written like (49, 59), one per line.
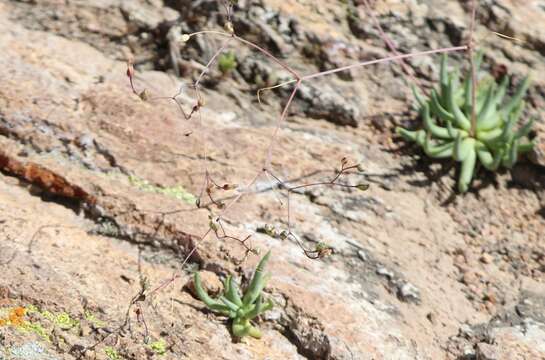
(252, 45)
(211, 61)
(321, 251)
(392, 46)
(269, 55)
(272, 88)
(384, 60)
(470, 49)
(279, 124)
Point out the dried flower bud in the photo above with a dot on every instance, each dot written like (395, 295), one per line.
(229, 186)
(362, 187)
(130, 69)
(229, 27)
(270, 230)
(144, 95)
(283, 235)
(213, 226)
(185, 38)
(323, 250)
(361, 168)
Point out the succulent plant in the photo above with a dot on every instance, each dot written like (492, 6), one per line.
(241, 309)
(447, 127)
(227, 62)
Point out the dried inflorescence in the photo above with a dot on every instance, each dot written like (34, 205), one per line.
(241, 309)
(493, 138)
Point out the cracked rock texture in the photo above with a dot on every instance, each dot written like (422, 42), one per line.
(105, 204)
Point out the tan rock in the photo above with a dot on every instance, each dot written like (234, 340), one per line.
(210, 282)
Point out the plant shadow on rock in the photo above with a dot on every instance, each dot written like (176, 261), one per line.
(524, 175)
(528, 176)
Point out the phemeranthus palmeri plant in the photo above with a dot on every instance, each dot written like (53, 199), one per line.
(241, 309)
(447, 132)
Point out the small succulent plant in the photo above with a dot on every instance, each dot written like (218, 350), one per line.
(241, 309)
(447, 130)
(227, 62)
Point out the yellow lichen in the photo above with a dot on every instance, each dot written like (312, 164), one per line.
(159, 347)
(111, 353)
(64, 321)
(177, 192)
(93, 319)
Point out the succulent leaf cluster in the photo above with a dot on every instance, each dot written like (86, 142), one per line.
(447, 130)
(240, 308)
(227, 62)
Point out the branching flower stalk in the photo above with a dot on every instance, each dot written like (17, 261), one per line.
(241, 309)
(216, 224)
(297, 80)
(321, 250)
(473, 68)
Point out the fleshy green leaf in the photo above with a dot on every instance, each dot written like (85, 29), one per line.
(203, 295)
(408, 134)
(525, 130)
(438, 109)
(419, 98)
(512, 155)
(463, 147)
(466, 173)
(460, 119)
(258, 281)
(489, 161)
(491, 135)
(517, 97)
(433, 128)
(502, 89)
(524, 148)
(232, 292)
(441, 151)
(508, 133)
(231, 305)
(487, 118)
(444, 79)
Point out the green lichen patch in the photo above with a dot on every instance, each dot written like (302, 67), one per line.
(159, 347)
(112, 353)
(177, 192)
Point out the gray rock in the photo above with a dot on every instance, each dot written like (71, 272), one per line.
(487, 352)
(408, 292)
(145, 16)
(326, 103)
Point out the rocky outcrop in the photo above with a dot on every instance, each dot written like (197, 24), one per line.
(98, 188)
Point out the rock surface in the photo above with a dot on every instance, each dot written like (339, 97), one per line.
(100, 232)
